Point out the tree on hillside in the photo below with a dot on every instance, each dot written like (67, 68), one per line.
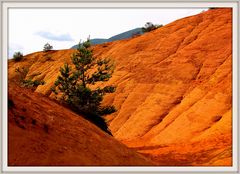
(47, 47)
(76, 85)
(18, 56)
(149, 26)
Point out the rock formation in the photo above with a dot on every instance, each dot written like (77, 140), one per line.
(174, 89)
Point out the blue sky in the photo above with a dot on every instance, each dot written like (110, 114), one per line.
(30, 29)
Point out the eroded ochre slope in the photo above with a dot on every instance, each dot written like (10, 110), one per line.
(174, 94)
(44, 133)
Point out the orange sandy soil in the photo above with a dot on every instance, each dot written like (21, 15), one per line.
(44, 133)
(174, 89)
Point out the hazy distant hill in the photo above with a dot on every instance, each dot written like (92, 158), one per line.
(120, 36)
(97, 41)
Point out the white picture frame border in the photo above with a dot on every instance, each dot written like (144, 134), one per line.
(6, 4)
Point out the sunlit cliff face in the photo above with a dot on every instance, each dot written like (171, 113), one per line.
(174, 89)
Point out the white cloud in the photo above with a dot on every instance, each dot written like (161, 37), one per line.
(52, 36)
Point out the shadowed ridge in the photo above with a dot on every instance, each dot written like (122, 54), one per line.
(44, 133)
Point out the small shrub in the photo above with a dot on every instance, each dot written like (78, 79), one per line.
(149, 26)
(32, 83)
(22, 72)
(18, 56)
(29, 83)
(47, 47)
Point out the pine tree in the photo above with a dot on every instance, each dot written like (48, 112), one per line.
(75, 85)
(18, 56)
(47, 47)
(149, 26)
